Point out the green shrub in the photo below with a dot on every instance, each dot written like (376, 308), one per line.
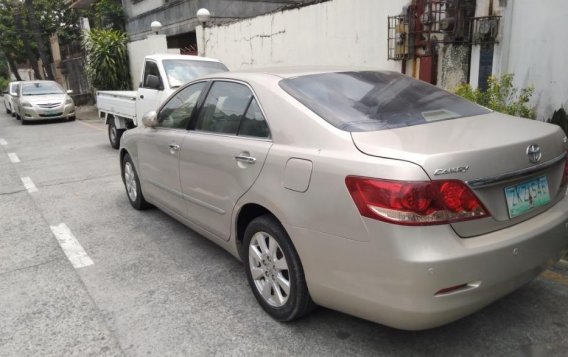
(107, 60)
(560, 118)
(501, 96)
(4, 83)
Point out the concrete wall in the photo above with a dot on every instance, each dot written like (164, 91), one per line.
(337, 32)
(139, 7)
(137, 50)
(178, 16)
(532, 46)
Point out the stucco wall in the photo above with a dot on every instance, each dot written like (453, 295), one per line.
(178, 16)
(532, 46)
(337, 32)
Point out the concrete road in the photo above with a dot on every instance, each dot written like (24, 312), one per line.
(141, 284)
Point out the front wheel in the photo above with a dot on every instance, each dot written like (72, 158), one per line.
(132, 184)
(274, 270)
(114, 134)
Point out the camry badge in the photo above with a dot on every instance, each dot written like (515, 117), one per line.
(534, 154)
(451, 170)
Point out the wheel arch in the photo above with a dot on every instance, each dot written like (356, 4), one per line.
(246, 214)
(122, 154)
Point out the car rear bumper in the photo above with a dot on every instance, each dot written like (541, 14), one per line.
(393, 279)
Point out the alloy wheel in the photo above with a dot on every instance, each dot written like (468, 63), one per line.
(130, 181)
(269, 269)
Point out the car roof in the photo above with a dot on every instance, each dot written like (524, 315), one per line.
(288, 72)
(38, 81)
(165, 56)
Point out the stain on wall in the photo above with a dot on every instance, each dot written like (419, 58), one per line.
(453, 66)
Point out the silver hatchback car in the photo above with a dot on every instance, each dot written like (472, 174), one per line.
(363, 191)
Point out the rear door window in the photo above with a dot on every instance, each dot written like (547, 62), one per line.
(231, 109)
(373, 100)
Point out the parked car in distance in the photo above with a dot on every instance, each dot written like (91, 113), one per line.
(43, 100)
(161, 75)
(9, 94)
(363, 191)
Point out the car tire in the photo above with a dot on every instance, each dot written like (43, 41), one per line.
(273, 269)
(114, 134)
(132, 184)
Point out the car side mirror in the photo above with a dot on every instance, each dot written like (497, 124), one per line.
(153, 82)
(150, 119)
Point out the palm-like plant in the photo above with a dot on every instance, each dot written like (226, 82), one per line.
(107, 59)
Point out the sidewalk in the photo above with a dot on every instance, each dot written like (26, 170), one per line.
(87, 112)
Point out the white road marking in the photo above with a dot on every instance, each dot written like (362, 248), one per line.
(3, 142)
(29, 184)
(71, 247)
(13, 157)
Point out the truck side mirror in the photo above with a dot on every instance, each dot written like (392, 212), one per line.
(153, 82)
(150, 119)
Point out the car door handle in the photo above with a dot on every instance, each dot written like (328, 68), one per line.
(174, 147)
(246, 159)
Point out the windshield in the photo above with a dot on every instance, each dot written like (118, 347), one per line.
(40, 88)
(182, 71)
(370, 101)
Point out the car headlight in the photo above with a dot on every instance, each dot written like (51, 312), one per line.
(68, 100)
(27, 105)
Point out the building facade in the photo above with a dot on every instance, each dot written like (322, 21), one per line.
(444, 42)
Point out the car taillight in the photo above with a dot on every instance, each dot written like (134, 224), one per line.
(565, 175)
(414, 202)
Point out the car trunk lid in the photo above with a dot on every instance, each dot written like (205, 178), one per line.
(489, 153)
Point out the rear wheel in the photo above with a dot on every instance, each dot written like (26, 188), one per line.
(114, 134)
(132, 184)
(274, 270)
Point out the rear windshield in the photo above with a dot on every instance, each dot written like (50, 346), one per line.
(370, 100)
(182, 71)
(41, 88)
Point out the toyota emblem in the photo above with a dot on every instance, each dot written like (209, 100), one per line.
(534, 154)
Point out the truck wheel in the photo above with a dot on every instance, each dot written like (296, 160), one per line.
(114, 134)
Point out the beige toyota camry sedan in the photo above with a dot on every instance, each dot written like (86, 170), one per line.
(363, 191)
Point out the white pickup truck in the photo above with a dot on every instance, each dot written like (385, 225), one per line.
(162, 74)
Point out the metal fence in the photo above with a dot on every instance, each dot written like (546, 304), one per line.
(73, 70)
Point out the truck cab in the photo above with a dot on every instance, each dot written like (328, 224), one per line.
(161, 75)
